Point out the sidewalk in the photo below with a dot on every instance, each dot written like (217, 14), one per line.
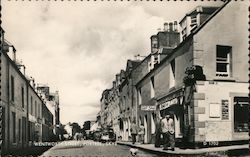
(187, 152)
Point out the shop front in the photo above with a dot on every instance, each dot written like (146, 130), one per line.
(173, 105)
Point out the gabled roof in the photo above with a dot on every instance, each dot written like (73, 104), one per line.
(190, 36)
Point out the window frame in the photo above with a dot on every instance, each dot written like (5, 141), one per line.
(222, 60)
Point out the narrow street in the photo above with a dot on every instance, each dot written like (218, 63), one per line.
(88, 148)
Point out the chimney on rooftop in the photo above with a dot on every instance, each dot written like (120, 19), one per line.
(171, 27)
(175, 26)
(165, 26)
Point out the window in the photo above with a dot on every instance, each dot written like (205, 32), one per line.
(14, 126)
(223, 60)
(19, 130)
(154, 43)
(24, 129)
(172, 74)
(12, 86)
(22, 90)
(31, 105)
(35, 108)
(194, 22)
(152, 85)
(153, 125)
(241, 114)
(139, 96)
(38, 107)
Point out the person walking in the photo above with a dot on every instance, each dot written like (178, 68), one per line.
(134, 132)
(158, 128)
(141, 133)
(167, 127)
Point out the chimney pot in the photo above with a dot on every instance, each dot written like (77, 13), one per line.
(165, 26)
(171, 26)
(175, 26)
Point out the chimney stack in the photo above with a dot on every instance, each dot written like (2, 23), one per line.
(175, 26)
(171, 26)
(13, 51)
(165, 26)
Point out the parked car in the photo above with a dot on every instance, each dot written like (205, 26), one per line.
(97, 135)
(108, 136)
(89, 135)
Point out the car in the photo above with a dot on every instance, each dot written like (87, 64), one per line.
(97, 135)
(108, 136)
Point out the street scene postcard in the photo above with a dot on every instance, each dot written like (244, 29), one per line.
(124, 78)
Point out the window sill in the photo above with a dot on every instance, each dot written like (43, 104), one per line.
(228, 79)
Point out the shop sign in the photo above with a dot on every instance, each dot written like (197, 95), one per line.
(148, 108)
(168, 103)
(225, 114)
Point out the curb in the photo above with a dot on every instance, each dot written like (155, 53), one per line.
(236, 151)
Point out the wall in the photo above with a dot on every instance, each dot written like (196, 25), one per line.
(216, 129)
(231, 31)
(16, 107)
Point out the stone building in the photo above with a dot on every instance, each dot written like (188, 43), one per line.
(199, 83)
(195, 77)
(52, 103)
(21, 106)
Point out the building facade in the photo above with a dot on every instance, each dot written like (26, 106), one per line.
(197, 76)
(52, 103)
(21, 106)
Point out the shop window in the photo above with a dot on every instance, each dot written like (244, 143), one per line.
(223, 60)
(241, 114)
(152, 123)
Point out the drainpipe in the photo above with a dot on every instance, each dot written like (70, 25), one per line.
(27, 119)
(8, 105)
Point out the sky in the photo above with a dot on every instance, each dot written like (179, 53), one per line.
(77, 47)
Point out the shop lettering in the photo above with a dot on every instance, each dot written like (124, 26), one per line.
(148, 108)
(168, 103)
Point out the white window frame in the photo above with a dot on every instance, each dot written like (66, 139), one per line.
(227, 61)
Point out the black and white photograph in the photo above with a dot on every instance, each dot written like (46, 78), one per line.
(124, 78)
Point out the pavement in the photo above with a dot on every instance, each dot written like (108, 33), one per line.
(234, 150)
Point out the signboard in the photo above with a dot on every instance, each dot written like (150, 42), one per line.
(214, 110)
(168, 103)
(148, 108)
(225, 109)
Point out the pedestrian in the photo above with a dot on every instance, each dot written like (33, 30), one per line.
(167, 127)
(158, 127)
(134, 132)
(141, 133)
